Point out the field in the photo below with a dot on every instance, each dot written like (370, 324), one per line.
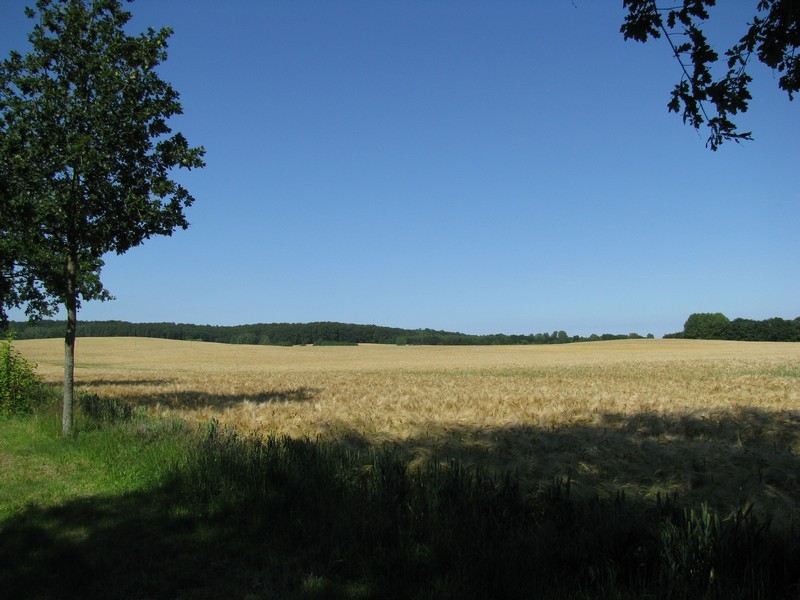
(713, 421)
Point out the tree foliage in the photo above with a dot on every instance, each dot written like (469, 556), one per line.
(716, 326)
(86, 156)
(706, 326)
(706, 99)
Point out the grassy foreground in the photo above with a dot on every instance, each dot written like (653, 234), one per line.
(141, 507)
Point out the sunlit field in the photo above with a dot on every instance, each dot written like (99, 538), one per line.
(714, 421)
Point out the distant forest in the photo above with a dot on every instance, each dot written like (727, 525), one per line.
(703, 326)
(292, 334)
(716, 326)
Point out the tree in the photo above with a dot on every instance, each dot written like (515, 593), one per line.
(86, 157)
(773, 36)
(706, 326)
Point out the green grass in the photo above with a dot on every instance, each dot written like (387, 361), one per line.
(40, 468)
(135, 507)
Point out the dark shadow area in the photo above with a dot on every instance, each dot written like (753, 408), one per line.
(728, 459)
(249, 518)
(124, 547)
(121, 383)
(195, 400)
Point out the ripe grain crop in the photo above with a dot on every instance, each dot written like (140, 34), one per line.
(712, 421)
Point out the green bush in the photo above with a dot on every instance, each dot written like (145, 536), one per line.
(20, 387)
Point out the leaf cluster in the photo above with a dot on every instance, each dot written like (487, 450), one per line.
(702, 98)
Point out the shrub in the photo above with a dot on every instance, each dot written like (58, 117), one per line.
(19, 385)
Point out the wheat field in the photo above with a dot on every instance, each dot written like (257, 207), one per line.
(712, 421)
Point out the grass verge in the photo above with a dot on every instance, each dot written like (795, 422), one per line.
(136, 507)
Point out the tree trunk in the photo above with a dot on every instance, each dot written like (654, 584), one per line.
(69, 346)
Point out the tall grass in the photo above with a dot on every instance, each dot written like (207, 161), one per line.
(443, 530)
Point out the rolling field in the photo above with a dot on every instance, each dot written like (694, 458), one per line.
(714, 421)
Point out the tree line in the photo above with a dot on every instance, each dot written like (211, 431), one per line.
(701, 326)
(716, 326)
(293, 334)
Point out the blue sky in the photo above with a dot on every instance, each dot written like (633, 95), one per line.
(478, 166)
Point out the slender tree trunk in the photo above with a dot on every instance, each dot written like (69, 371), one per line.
(69, 346)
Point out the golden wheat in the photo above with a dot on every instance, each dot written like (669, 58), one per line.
(716, 421)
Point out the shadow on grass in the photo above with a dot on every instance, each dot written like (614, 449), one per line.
(248, 518)
(131, 547)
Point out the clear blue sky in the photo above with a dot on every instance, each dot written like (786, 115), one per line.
(479, 166)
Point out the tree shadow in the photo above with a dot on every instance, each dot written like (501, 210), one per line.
(122, 547)
(121, 382)
(743, 458)
(195, 399)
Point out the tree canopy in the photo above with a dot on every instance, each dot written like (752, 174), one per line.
(86, 156)
(703, 98)
(716, 326)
